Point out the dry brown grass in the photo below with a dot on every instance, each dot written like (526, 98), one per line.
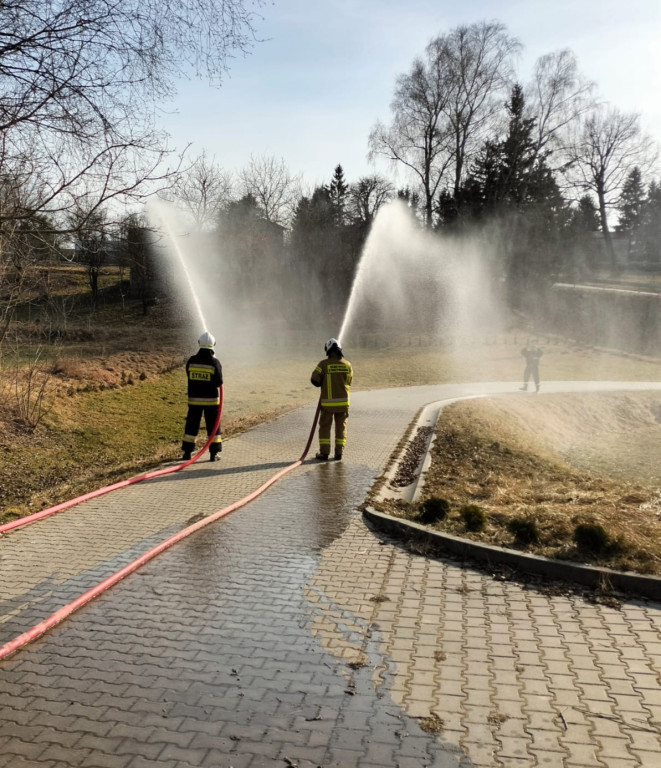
(559, 460)
(432, 724)
(117, 401)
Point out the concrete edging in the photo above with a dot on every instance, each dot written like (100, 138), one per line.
(592, 576)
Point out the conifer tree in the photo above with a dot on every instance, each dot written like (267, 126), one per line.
(651, 226)
(338, 190)
(632, 202)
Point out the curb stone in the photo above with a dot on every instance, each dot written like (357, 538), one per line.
(587, 575)
(427, 418)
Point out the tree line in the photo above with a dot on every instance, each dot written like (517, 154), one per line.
(557, 178)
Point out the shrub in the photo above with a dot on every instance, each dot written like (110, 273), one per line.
(591, 538)
(525, 531)
(24, 390)
(473, 517)
(432, 510)
(68, 368)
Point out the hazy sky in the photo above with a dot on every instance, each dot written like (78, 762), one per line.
(325, 72)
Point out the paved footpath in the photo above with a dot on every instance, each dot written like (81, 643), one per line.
(289, 634)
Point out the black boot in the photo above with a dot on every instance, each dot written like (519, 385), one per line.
(186, 456)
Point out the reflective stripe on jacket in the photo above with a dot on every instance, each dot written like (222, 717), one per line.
(205, 376)
(334, 374)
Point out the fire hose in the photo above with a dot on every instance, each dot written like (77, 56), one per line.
(115, 486)
(39, 629)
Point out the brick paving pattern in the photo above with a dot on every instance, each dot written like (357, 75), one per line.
(290, 634)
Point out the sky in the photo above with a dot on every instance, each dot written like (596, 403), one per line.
(324, 72)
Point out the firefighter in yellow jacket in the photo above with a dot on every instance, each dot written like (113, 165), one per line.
(334, 376)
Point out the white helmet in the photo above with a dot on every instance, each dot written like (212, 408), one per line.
(207, 340)
(330, 344)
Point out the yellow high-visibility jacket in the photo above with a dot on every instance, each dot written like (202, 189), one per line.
(334, 375)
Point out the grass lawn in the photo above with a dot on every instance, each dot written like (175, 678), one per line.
(540, 466)
(116, 407)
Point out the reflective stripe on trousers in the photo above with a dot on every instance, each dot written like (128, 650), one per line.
(326, 419)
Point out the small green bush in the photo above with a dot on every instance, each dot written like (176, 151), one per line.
(525, 531)
(473, 517)
(433, 510)
(591, 538)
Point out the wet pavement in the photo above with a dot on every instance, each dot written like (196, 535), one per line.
(288, 633)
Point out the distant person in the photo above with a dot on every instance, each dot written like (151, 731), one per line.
(205, 377)
(532, 353)
(334, 376)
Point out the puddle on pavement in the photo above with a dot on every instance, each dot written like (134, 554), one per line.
(221, 629)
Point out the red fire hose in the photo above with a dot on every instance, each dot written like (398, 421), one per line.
(115, 486)
(39, 629)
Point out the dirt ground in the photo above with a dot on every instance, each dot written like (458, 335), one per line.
(557, 460)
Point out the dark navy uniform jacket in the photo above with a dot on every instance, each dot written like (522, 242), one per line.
(205, 377)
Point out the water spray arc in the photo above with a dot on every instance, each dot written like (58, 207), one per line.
(159, 211)
(375, 275)
(411, 281)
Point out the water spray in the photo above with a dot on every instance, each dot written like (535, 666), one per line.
(410, 280)
(158, 210)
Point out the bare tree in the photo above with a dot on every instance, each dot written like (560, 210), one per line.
(81, 82)
(419, 135)
(136, 240)
(91, 245)
(275, 189)
(480, 58)
(26, 247)
(445, 106)
(367, 195)
(556, 97)
(203, 190)
(608, 147)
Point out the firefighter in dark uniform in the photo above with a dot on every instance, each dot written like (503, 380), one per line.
(205, 377)
(334, 376)
(532, 353)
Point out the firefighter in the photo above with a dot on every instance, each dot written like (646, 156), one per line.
(334, 376)
(205, 377)
(532, 353)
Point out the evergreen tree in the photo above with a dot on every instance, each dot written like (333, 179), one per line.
(585, 217)
(324, 248)
(338, 190)
(582, 248)
(510, 183)
(510, 174)
(241, 228)
(313, 230)
(651, 226)
(240, 215)
(410, 198)
(632, 202)
(632, 206)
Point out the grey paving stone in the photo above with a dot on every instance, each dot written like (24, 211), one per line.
(257, 639)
